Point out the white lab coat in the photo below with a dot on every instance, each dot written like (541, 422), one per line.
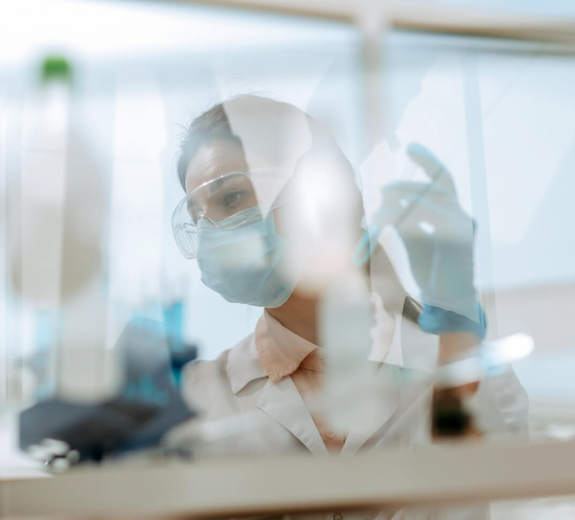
(236, 383)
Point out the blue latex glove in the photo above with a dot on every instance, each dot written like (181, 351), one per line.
(438, 236)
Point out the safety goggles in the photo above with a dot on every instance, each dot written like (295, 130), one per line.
(220, 203)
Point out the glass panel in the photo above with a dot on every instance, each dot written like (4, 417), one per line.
(499, 115)
(162, 186)
(130, 78)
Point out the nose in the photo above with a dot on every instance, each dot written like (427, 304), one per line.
(202, 215)
(204, 212)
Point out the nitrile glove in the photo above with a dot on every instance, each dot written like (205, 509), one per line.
(438, 236)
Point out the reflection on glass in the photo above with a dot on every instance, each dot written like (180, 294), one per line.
(499, 114)
(330, 319)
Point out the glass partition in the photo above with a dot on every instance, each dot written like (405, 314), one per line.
(499, 114)
(178, 61)
(184, 182)
(95, 103)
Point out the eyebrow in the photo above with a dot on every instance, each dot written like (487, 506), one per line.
(216, 184)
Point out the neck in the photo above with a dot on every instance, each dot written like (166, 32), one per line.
(299, 315)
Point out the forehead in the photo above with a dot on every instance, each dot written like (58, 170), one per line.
(214, 160)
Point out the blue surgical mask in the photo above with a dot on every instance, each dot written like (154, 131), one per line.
(246, 263)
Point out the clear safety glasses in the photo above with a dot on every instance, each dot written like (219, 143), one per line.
(220, 203)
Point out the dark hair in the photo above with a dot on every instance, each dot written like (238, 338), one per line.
(214, 125)
(210, 126)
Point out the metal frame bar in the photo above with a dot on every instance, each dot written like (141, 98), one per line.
(415, 16)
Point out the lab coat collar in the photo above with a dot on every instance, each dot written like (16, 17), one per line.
(280, 400)
(244, 364)
(283, 402)
(271, 351)
(280, 350)
(274, 351)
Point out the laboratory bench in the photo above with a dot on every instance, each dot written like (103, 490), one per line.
(426, 475)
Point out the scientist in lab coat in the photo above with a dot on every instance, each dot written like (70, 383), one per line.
(238, 161)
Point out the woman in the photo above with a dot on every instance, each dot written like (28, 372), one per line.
(242, 219)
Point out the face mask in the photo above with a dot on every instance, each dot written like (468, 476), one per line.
(247, 263)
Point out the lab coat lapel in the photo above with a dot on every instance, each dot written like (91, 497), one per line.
(390, 392)
(283, 402)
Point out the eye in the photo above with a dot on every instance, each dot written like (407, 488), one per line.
(233, 197)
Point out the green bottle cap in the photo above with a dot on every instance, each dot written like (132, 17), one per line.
(56, 68)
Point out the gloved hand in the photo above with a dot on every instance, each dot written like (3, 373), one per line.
(438, 236)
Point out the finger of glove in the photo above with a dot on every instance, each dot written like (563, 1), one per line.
(420, 250)
(432, 166)
(438, 216)
(407, 199)
(406, 215)
(415, 191)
